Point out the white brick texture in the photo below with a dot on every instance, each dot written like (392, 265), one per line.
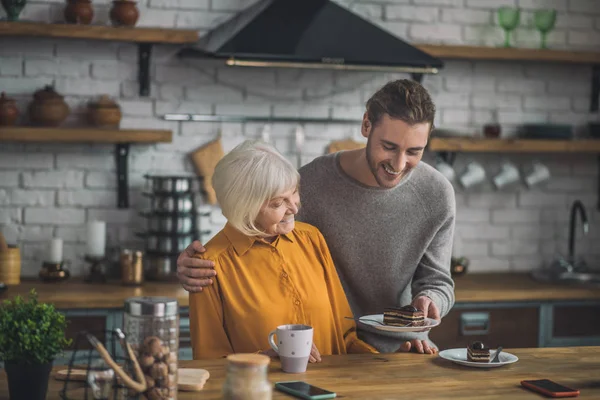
(53, 189)
(87, 198)
(55, 216)
(53, 179)
(411, 13)
(185, 4)
(54, 67)
(11, 66)
(39, 198)
(9, 178)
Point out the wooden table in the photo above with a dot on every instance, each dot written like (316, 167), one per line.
(74, 294)
(415, 376)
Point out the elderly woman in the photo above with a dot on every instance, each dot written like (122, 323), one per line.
(271, 270)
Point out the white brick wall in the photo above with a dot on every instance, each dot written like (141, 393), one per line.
(53, 189)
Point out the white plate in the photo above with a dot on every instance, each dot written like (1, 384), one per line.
(459, 356)
(429, 323)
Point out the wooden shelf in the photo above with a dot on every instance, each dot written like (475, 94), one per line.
(511, 54)
(99, 32)
(83, 135)
(513, 145)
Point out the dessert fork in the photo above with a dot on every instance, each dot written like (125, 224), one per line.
(497, 355)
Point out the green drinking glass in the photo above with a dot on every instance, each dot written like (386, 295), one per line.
(544, 22)
(13, 8)
(508, 19)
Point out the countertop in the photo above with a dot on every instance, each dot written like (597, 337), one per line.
(415, 376)
(505, 287)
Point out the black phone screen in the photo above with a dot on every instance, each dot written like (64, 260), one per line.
(551, 386)
(305, 388)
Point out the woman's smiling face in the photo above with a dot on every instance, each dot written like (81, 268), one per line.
(276, 217)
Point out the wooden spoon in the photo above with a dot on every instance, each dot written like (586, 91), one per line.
(3, 245)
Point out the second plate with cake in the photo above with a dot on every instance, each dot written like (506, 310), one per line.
(376, 321)
(460, 356)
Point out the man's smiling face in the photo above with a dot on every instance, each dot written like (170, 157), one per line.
(393, 148)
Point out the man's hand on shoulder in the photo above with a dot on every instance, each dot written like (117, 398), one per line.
(194, 273)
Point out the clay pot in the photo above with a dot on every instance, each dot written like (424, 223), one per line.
(79, 12)
(124, 13)
(9, 113)
(104, 113)
(48, 108)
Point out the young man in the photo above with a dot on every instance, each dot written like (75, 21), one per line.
(387, 218)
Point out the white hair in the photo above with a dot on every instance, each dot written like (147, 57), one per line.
(247, 177)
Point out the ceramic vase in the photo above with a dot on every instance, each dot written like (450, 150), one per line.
(79, 12)
(124, 13)
(9, 113)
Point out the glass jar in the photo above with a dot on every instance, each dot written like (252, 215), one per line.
(152, 328)
(247, 378)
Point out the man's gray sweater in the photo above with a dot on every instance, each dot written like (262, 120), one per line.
(388, 245)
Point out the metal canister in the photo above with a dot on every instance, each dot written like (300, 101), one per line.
(132, 267)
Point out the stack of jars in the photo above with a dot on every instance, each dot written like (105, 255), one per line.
(172, 222)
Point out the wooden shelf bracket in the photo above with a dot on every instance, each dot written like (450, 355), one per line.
(122, 154)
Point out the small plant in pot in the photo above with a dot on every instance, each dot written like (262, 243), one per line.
(32, 335)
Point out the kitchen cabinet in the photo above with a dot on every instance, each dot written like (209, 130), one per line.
(576, 321)
(511, 327)
(95, 323)
(520, 324)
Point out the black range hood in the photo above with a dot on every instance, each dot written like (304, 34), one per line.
(315, 34)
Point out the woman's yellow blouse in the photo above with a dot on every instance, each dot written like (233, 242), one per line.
(260, 286)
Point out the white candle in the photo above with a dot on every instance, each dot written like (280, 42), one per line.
(55, 251)
(96, 238)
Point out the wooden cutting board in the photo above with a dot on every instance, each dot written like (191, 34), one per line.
(189, 379)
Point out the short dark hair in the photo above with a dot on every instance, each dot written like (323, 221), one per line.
(402, 99)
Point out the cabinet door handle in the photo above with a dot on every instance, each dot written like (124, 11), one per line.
(474, 323)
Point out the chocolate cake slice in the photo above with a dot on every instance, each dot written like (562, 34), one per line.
(403, 316)
(477, 352)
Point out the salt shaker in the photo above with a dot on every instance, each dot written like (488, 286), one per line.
(247, 377)
(132, 270)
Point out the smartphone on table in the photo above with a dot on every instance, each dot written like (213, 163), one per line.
(304, 390)
(550, 388)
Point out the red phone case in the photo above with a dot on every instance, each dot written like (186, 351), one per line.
(532, 386)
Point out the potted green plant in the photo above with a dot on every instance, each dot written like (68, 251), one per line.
(32, 335)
